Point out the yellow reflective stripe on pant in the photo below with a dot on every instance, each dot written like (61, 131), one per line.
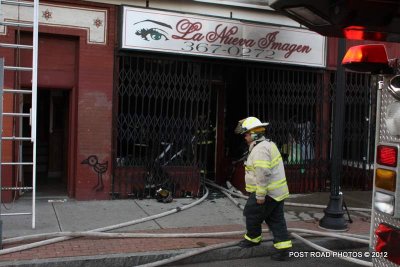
(254, 240)
(283, 245)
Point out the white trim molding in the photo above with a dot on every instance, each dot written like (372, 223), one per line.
(93, 21)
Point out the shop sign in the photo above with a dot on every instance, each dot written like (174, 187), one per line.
(153, 30)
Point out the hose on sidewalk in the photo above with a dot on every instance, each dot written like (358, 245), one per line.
(103, 229)
(97, 233)
(292, 230)
(170, 235)
(322, 249)
(349, 237)
(188, 254)
(233, 243)
(305, 230)
(123, 235)
(199, 251)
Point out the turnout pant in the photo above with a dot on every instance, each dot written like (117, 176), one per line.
(272, 213)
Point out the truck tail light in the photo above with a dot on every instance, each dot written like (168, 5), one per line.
(387, 155)
(366, 58)
(385, 179)
(384, 203)
(388, 240)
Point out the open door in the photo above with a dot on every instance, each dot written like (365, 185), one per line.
(58, 136)
(52, 143)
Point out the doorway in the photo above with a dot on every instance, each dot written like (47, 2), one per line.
(52, 143)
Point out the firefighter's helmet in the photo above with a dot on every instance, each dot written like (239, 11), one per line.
(248, 124)
(163, 195)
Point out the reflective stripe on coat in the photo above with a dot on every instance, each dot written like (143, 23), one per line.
(265, 173)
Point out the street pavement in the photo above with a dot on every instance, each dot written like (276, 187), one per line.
(216, 213)
(313, 260)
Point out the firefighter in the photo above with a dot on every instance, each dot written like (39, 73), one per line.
(266, 182)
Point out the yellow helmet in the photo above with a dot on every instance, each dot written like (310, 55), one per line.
(248, 124)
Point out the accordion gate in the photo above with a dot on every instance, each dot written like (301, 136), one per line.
(165, 117)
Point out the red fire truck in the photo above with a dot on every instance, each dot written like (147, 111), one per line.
(377, 20)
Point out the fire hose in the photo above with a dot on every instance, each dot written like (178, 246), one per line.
(103, 229)
(232, 192)
(61, 236)
(350, 237)
(356, 238)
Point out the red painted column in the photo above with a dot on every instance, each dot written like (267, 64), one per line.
(94, 113)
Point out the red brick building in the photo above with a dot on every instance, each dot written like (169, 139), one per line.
(119, 120)
(75, 82)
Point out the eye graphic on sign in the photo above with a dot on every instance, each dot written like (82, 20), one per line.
(151, 29)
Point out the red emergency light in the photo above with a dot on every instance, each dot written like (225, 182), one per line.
(388, 242)
(366, 58)
(387, 155)
(361, 33)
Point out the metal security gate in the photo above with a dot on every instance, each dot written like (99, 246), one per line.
(293, 102)
(298, 104)
(161, 121)
(359, 132)
(165, 117)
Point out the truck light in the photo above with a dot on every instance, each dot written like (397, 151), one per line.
(354, 32)
(384, 203)
(393, 118)
(366, 58)
(394, 87)
(387, 155)
(385, 179)
(388, 240)
(362, 33)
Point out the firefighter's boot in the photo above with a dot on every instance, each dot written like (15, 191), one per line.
(248, 244)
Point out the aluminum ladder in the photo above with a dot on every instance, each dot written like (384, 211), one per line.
(18, 115)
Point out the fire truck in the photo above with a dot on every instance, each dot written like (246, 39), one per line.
(377, 20)
(385, 218)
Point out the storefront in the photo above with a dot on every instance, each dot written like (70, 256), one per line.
(185, 80)
(132, 99)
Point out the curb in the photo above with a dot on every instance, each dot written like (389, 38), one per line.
(134, 259)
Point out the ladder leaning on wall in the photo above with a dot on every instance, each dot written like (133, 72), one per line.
(15, 136)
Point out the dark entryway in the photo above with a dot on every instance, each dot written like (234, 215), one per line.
(52, 141)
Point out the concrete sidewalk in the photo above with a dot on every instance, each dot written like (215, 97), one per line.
(215, 214)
